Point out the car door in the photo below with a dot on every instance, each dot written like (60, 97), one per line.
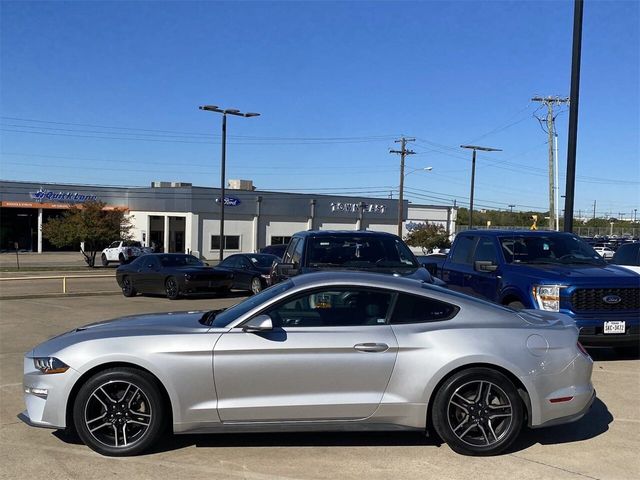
(485, 284)
(458, 268)
(112, 252)
(329, 357)
(148, 274)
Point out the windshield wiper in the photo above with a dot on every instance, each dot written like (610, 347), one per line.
(208, 318)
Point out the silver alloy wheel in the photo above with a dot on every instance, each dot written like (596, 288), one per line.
(480, 413)
(118, 414)
(256, 285)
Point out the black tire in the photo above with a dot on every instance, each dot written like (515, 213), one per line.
(121, 259)
(478, 412)
(256, 286)
(516, 305)
(128, 402)
(171, 288)
(127, 287)
(103, 259)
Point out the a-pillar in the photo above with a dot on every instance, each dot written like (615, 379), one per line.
(39, 230)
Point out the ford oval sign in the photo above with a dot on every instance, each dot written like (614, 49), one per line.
(611, 299)
(230, 201)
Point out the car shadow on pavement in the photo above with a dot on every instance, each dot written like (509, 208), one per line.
(594, 423)
(605, 354)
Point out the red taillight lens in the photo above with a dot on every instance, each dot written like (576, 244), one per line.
(583, 350)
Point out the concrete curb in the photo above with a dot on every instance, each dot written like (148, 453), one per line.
(57, 295)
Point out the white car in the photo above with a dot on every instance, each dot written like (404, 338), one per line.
(604, 252)
(123, 251)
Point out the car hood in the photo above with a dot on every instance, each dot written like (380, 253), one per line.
(577, 274)
(135, 325)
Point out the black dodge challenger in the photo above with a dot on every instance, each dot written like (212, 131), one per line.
(173, 274)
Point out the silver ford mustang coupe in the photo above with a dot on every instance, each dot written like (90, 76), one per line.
(328, 351)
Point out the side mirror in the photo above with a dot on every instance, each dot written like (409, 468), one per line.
(484, 266)
(261, 323)
(284, 269)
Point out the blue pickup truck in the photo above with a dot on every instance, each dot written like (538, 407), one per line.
(551, 271)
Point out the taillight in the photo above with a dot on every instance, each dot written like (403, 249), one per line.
(583, 350)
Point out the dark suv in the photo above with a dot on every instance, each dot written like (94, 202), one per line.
(349, 250)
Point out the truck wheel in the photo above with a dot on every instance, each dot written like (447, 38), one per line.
(516, 305)
(103, 259)
(478, 412)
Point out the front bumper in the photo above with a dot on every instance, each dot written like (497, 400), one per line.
(207, 285)
(48, 410)
(592, 330)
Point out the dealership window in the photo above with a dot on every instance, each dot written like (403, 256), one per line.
(231, 242)
(280, 240)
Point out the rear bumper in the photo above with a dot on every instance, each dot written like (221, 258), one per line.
(570, 418)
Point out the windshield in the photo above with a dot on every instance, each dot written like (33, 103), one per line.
(179, 261)
(552, 249)
(225, 317)
(360, 252)
(262, 261)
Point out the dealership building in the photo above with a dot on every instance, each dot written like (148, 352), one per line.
(179, 217)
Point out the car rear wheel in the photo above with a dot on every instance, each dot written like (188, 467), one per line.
(171, 288)
(119, 412)
(256, 285)
(478, 412)
(103, 259)
(127, 287)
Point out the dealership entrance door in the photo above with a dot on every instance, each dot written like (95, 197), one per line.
(167, 234)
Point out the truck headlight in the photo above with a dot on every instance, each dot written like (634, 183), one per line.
(50, 365)
(547, 297)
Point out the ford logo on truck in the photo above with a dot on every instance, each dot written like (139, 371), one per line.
(611, 299)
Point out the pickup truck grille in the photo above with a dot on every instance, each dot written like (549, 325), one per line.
(592, 299)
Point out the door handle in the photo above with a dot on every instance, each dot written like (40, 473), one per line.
(371, 347)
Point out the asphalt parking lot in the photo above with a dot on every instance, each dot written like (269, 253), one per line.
(603, 445)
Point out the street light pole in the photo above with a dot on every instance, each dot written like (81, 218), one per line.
(224, 112)
(473, 174)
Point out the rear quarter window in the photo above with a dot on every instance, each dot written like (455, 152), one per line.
(416, 309)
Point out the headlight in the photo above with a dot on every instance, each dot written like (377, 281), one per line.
(266, 276)
(49, 365)
(548, 297)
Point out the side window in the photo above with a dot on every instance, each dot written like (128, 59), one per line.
(114, 245)
(288, 254)
(296, 258)
(462, 250)
(230, 262)
(335, 307)
(415, 309)
(485, 251)
(244, 263)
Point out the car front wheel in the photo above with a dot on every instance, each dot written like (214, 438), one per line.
(104, 260)
(171, 288)
(119, 412)
(127, 287)
(478, 412)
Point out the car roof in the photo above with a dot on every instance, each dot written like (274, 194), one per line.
(496, 233)
(356, 278)
(343, 233)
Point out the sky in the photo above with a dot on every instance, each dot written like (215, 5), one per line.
(107, 92)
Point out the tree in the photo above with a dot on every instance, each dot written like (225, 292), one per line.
(428, 236)
(89, 223)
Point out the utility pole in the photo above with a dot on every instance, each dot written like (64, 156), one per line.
(594, 209)
(511, 208)
(550, 102)
(403, 152)
(473, 174)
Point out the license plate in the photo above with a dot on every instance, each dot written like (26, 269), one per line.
(614, 327)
